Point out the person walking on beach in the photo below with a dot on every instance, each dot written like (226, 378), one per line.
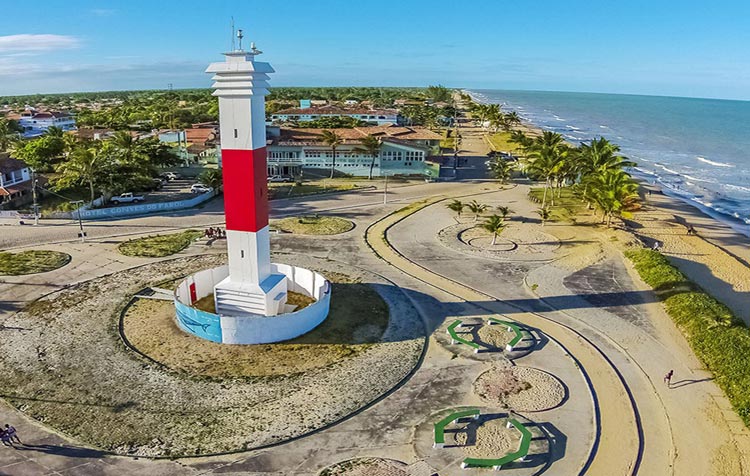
(5, 438)
(668, 378)
(12, 433)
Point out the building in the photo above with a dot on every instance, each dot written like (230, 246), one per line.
(403, 150)
(201, 141)
(36, 123)
(312, 113)
(15, 182)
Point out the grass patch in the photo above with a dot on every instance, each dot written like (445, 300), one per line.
(160, 245)
(30, 262)
(716, 336)
(566, 206)
(500, 142)
(314, 225)
(285, 190)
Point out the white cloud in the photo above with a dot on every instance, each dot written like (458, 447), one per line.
(26, 42)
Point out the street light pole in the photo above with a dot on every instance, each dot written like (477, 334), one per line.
(385, 191)
(81, 233)
(33, 196)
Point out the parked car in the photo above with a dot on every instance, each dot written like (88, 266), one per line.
(200, 188)
(126, 198)
(157, 183)
(280, 178)
(171, 176)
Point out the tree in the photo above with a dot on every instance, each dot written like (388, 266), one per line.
(39, 153)
(504, 211)
(476, 208)
(547, 155)
(510, 120)
(458, 207)
(596, 158)
(370, 146)
(613, 191)
(212, 178)
(494, 224)
(544, 214)
(501, 169)
(439, 93)
(332, 140)
(88, 164)
(8, 133)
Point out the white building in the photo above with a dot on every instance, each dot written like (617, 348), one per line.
(15, 180)
(370, 116)
(36, 123)
(403, 151)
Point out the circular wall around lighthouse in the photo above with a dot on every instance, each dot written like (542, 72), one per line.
(251, 328)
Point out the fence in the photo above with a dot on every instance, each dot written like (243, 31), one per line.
(140, 209)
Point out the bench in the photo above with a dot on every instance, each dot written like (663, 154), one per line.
(518, 455)
(511, 327)
(453, 417)
(455, 338)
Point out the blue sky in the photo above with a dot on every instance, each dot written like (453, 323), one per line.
(663, 47)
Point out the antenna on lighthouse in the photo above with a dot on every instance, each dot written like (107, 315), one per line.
(239, 37)
(232, 34)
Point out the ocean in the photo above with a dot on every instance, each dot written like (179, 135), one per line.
(697, 150)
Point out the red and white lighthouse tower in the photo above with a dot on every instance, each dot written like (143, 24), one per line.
(241, 85)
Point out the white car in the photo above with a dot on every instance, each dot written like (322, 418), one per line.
(171, 176)
(279, 178)
(199, 188)
(126, 198)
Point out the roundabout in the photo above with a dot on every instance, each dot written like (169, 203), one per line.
(200, 402)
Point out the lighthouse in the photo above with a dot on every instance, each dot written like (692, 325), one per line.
(240, 83)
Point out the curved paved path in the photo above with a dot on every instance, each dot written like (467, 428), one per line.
(617, 450)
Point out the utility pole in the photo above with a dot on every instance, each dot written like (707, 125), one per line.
(33, 196)
(385, 191)
(81, 233)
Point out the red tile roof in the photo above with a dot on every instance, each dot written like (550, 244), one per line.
(388, 132)
(333, 110)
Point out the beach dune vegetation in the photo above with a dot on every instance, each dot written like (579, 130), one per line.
(718, 338)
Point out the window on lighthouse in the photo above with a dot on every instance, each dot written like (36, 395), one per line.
(235, 133)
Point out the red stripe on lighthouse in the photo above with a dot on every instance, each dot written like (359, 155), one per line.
(245, 189)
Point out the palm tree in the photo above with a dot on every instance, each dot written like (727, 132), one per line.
(457, 206)
(212, 178)
(544, 214)
(370, 146)
(547, 155)
(87, 164)
(596, 158)
(504, 211)
(494, 224)
(614, 191)
(55, 132)
(126, 145)
(501, 169)
(476, 208)
(510, 120)
(332, 140)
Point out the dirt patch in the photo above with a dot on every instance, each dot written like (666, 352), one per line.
(490, 440)
(495, 336)
(298, 300)
(357, 319)
(366, 467)
(520, 388)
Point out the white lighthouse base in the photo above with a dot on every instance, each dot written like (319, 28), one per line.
(242, 298)
(251, 328)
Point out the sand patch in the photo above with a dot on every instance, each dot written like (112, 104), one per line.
(519, 388)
